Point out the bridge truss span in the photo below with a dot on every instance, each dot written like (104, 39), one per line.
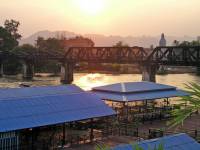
(123, 55)
(180, 56)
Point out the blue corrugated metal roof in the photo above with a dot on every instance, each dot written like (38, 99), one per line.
(137, 91)
(130, 97)
(134, 87)
(28, 112)
(173, 142)
(10, 93)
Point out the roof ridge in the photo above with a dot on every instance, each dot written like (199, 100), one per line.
(123, 87)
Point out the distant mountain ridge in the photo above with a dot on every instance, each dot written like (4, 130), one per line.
(101, 40)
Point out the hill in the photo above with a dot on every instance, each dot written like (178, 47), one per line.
(102, 40)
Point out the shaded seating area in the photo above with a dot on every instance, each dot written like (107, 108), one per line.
(50, 117)
(139, 101)
(173, 142)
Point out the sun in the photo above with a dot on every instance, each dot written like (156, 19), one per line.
(91, 7)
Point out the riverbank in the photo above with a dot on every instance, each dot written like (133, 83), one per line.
(167, 70)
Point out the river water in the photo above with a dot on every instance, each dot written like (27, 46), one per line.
(87, 81)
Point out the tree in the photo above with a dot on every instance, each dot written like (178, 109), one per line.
(187, 43)
(9, 35)
(25, 48)
(120, 44)
(13, 65)
(188, 105)
(12, 27)
(195, 43)
(7, 41)
(40, 42)
(50, 44)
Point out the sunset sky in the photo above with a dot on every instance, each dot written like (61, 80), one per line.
(108, 17)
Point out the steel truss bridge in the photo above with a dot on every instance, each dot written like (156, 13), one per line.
(170, 55)
(184, 56)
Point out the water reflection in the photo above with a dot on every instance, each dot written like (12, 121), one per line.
(87, 81)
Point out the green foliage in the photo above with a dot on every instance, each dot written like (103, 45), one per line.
(13, 66)
(12, 27)
(187, 43)
(8, 42)
(134, 147)
(120, 44)
(9, 35)
(50, 44)
(25, 48)
(137, 147)
(102, 147)
(159, 147)
(188, 105)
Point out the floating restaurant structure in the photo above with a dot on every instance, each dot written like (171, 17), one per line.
(173, 142)
(25, 113)
(136, 97)
(53, 116)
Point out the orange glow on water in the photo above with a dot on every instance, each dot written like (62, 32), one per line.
(92, 80)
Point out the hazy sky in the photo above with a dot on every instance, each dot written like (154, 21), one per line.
(109, 17)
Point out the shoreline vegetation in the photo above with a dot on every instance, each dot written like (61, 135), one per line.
(126, 70)
(123, 70)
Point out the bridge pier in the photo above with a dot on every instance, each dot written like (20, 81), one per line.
(67, 73)
(28, 71)
(149, 73)
(1, 70)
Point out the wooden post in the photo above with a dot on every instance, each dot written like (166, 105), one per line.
(167, 101)
(107, 126)
(64, 135)
(196, 133)
(32, 140)
(124, 110)
(91, 130)
(127, 111)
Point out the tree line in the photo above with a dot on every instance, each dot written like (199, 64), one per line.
(9, 43)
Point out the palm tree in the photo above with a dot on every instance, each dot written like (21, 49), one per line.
(134, 147)
(187, 106)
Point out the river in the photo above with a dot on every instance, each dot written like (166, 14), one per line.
(87, 81)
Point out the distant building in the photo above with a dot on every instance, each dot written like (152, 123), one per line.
(162, 40)
(78, 42)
